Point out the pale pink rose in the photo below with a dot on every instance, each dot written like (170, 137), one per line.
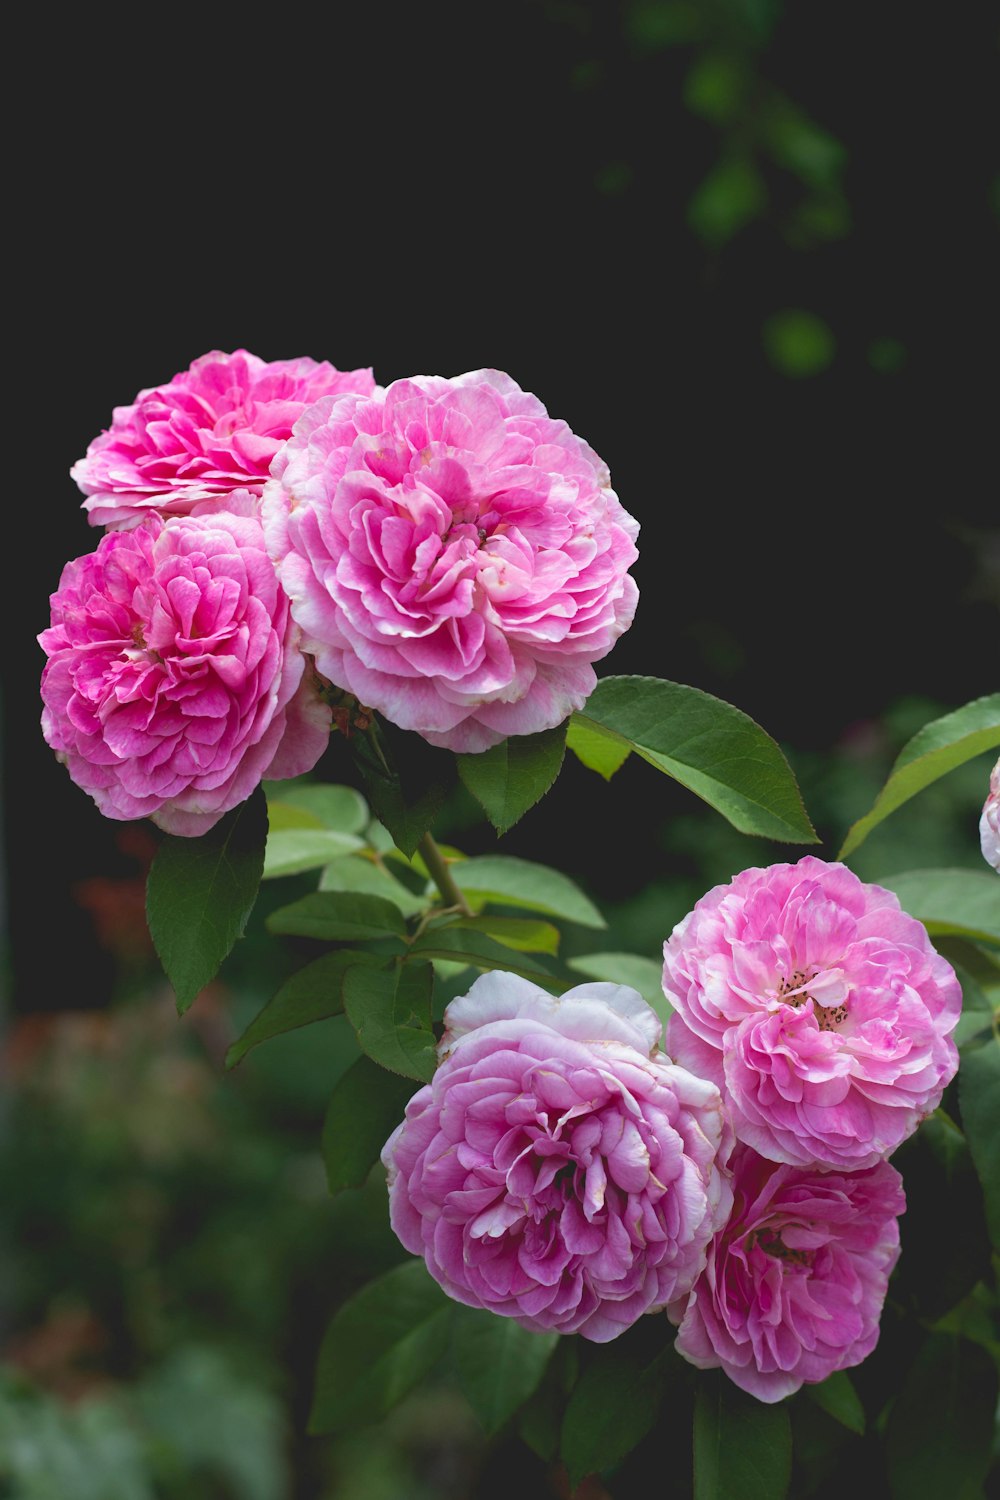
(174, 682)
(795, 1281)
(989, 823)
(456, 558)
(211, 429)
(559, 1169)
(818, 1006)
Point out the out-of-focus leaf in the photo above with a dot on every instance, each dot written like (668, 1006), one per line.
(979, 1098)
(291, 850)
(516, 932)
(458, 945)
(939, 1435)
(613, 1406)
(381, 1343)
(798, 343)
(643, 974)
(356, 873)
(498, 1363)
(365, 1107)
(937, 749)
(390, 1009)
(337, 807)
(506, 881)
(312, 994)
(965, 903)
(338, 916)
(511, 777)
(742, 1447)
(837, 1396)
(714, 86)
(729, 198)
(200, 894)
(709, 746)
(598, 749)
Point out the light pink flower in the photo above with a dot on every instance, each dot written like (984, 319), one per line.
(456, 558)
(818, 1006)
(989, 823)
(559, 1169)
(213, 428)
(174, 682)
(795, 1281)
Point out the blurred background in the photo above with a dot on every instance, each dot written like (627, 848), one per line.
(748, 250)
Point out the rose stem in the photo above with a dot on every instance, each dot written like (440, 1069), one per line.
(441, 875)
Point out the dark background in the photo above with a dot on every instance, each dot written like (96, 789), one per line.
(614, 203)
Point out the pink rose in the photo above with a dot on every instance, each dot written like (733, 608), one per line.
(989, 823)
(795, 1282)
(213, 428)
(174, 682)
(818, 1006)
(456, 558)
(559, 1169)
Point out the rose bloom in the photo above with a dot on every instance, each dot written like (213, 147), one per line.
(818, 1006)
(989, 823)
(456, 558)
(795, 1281)
(174, 682)
(213, 428)
(559, 1169)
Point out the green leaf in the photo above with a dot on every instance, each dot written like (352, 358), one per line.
(838, 1398)
(613, 1406)
(292, 850)
(338, 807)
(712, 748)
(597, 749)
(390, 1009)
(963, 902)
(406, 779)
(643, 974)
(979, 1099)
(506, 881)
(200, 894)
(798, 343)
(365, 1107)
(498, 1363)
(381, 1343)
(458, 945)
(357, 873)
(516, 932)
(938, 748)
(730, 197)
(511, 777)
(977, 1008)
(338, 916)
(742, 1447)
(311, 994)
(939, 1434)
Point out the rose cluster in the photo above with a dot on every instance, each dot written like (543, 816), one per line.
(442, 549)
(563, 1170)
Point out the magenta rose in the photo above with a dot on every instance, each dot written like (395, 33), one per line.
(820, 1009)
(174, 682)
(559, 1170)
(989, 823)
(456, 558)
(795, 1281)
(211, 429)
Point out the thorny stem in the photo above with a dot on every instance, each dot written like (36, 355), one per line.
(441, 875)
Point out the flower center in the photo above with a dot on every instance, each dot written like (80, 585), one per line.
(793, 991)
(770, 1241)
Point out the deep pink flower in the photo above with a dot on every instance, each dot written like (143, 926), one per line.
(795, 1281)
(559, 1169)
(174, 682)
(456, 558)
(818, 1006)
(989, 823)
(213, 428)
